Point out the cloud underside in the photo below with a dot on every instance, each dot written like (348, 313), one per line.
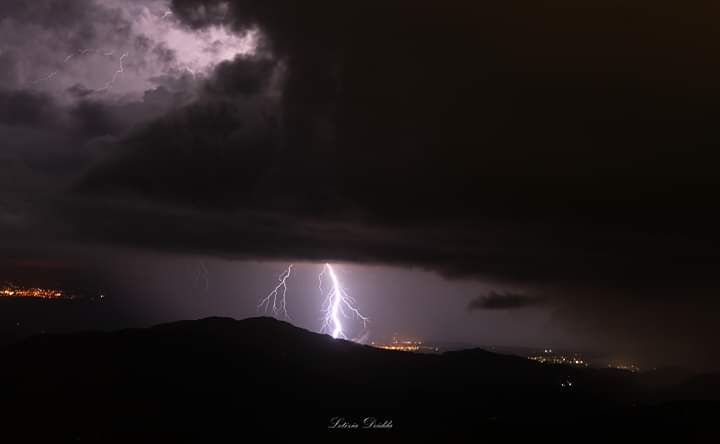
(495, 153)
(503, 301)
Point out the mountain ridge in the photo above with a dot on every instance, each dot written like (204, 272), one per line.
(215, 367)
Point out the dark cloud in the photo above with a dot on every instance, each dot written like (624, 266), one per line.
(80, 91)
(243, 76)
(23, 108)
(9, 69)
(503, 301)
(36, 125)
(49, 13)
(533, 158)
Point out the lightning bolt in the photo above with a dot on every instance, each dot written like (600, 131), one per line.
(80, 53)
(275, 300)
(50, 76)
(116, 74)
(203, 275)
(84, 52)
(338, 304)
(47, 78)
(191, 71)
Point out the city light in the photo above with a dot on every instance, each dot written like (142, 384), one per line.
(624, 366)
(407, 346)
(548, 357)
(13, 291)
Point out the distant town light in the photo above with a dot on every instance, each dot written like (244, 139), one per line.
(13, 291)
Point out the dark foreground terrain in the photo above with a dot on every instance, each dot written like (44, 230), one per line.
(222, 380)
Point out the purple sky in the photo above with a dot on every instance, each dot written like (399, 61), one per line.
(412, 303)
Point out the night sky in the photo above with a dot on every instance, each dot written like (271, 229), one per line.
(493, 173)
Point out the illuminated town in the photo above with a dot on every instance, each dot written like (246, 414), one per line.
(406, 346)
(624, 366)
(543, 356)
(548, 357)
(15, 291)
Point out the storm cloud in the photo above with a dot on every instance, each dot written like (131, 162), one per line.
(560, 163)
(565, 148)
(503, 301)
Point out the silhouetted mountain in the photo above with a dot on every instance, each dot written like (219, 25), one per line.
(192, 378)
(700, 387)
(666, 377)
